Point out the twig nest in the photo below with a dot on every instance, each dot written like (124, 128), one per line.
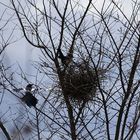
(81, 82)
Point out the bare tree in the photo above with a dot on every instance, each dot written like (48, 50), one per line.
(5, 41)
(90, 56)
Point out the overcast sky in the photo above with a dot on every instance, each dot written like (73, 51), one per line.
(22, 52)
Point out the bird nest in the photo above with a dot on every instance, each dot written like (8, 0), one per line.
(81, 82)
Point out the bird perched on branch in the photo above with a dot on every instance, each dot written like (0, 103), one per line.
(28, 98)
(64, 59)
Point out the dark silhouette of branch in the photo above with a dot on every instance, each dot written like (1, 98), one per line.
(5, 131)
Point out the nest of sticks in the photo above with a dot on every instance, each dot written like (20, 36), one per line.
(81, 82)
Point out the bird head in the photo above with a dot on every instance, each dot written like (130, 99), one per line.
(29, 87)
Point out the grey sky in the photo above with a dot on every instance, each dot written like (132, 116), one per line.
(18, 51)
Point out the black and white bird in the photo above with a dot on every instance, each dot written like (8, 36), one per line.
(28, 98)
(64, 59)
